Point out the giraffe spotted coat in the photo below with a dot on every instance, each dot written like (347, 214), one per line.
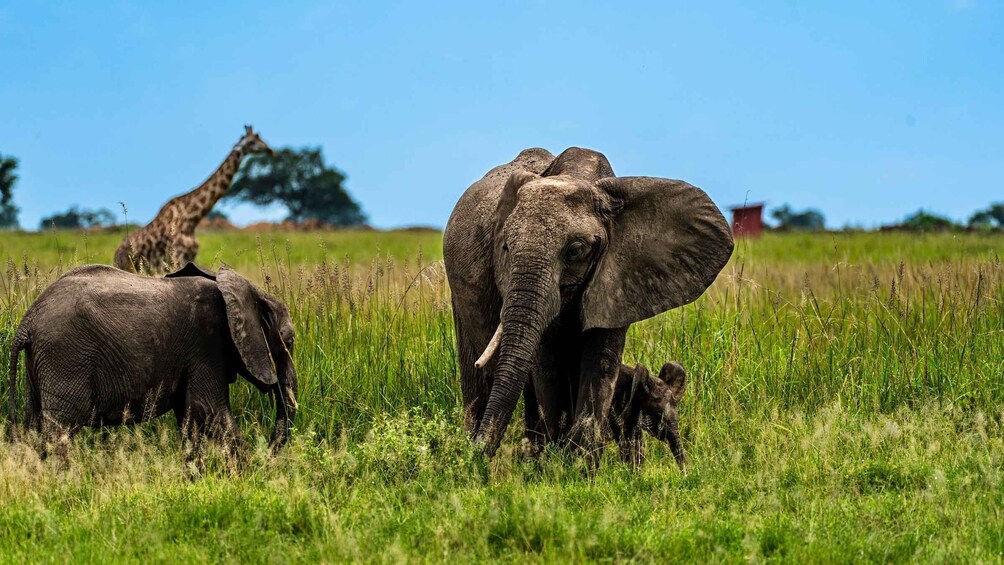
(169, 240)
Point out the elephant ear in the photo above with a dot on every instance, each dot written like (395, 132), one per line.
(675, 377)
(668, 242)
(508, 196)
(191, 270)
(244, 316)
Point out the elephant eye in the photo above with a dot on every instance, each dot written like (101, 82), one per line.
(576, 251)
(287, 339)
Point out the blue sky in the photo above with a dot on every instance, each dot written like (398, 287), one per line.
(865, 110)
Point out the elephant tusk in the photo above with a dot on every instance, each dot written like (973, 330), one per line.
(493, 346)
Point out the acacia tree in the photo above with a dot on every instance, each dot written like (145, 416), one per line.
(298, 179)
(922, 220)
(77, 218)
(991, 218)
(8, 211)
(788, 219)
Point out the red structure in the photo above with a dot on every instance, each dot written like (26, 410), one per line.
(747, 221)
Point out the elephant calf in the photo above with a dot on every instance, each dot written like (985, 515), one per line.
(642, 401)
(106, 347)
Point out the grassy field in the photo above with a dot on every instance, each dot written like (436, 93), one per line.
(846, 403)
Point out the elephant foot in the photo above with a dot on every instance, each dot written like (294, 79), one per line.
(193, 456)
(587, 438)
(238, 456)
(530, 450)
(633, 452)
(56, 440)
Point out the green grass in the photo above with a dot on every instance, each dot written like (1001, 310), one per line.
(845, 402)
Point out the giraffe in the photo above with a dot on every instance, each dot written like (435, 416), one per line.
(169, 240)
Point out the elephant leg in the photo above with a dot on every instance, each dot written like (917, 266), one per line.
(193, 411)
(601, 360)
(64, 405)
(57, 437)
(553, 386)
(475, 387)
(536, 434)
(224, 429)
(632, 447)
(191, 427)
(475, 384)
(207, 413)
(625, 417)
(32, 407)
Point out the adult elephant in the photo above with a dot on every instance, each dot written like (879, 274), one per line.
(549, 261)
(106, 347)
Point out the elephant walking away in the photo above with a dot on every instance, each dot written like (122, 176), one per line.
(550, 260)
(106, 347)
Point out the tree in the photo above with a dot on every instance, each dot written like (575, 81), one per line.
(8, 211)
(301, 181)
(991, 218)
(76, 218)
(922, 220)
(809, 219)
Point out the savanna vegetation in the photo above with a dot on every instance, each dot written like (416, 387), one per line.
(845, 402)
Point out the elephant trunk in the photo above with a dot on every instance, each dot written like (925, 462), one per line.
(667, 429)
(285, 392)
(526, 312)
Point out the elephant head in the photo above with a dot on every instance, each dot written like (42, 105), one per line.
(608, 250)
(262, 331)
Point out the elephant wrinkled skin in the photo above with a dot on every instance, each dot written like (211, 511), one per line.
(550, 260)
(105, 347)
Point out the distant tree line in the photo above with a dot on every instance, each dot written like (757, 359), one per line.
(811, 219)
(313, 191)
(991, 218)
(298, 179)
(8, 211)
(77, 218)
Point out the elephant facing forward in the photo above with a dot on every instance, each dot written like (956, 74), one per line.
(550, 260)
(105, 347)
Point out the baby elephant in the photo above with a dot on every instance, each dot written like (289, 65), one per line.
(642, 401)
(105, 347)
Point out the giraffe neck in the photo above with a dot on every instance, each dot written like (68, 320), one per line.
(194, 206)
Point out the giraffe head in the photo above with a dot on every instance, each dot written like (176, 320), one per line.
(251, 143)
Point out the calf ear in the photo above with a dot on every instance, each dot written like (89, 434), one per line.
(191, 270)
(675, 377)
(245, 310)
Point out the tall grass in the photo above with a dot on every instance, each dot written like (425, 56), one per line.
(844, 402)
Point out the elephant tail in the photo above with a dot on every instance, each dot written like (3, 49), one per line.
(21, 341)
